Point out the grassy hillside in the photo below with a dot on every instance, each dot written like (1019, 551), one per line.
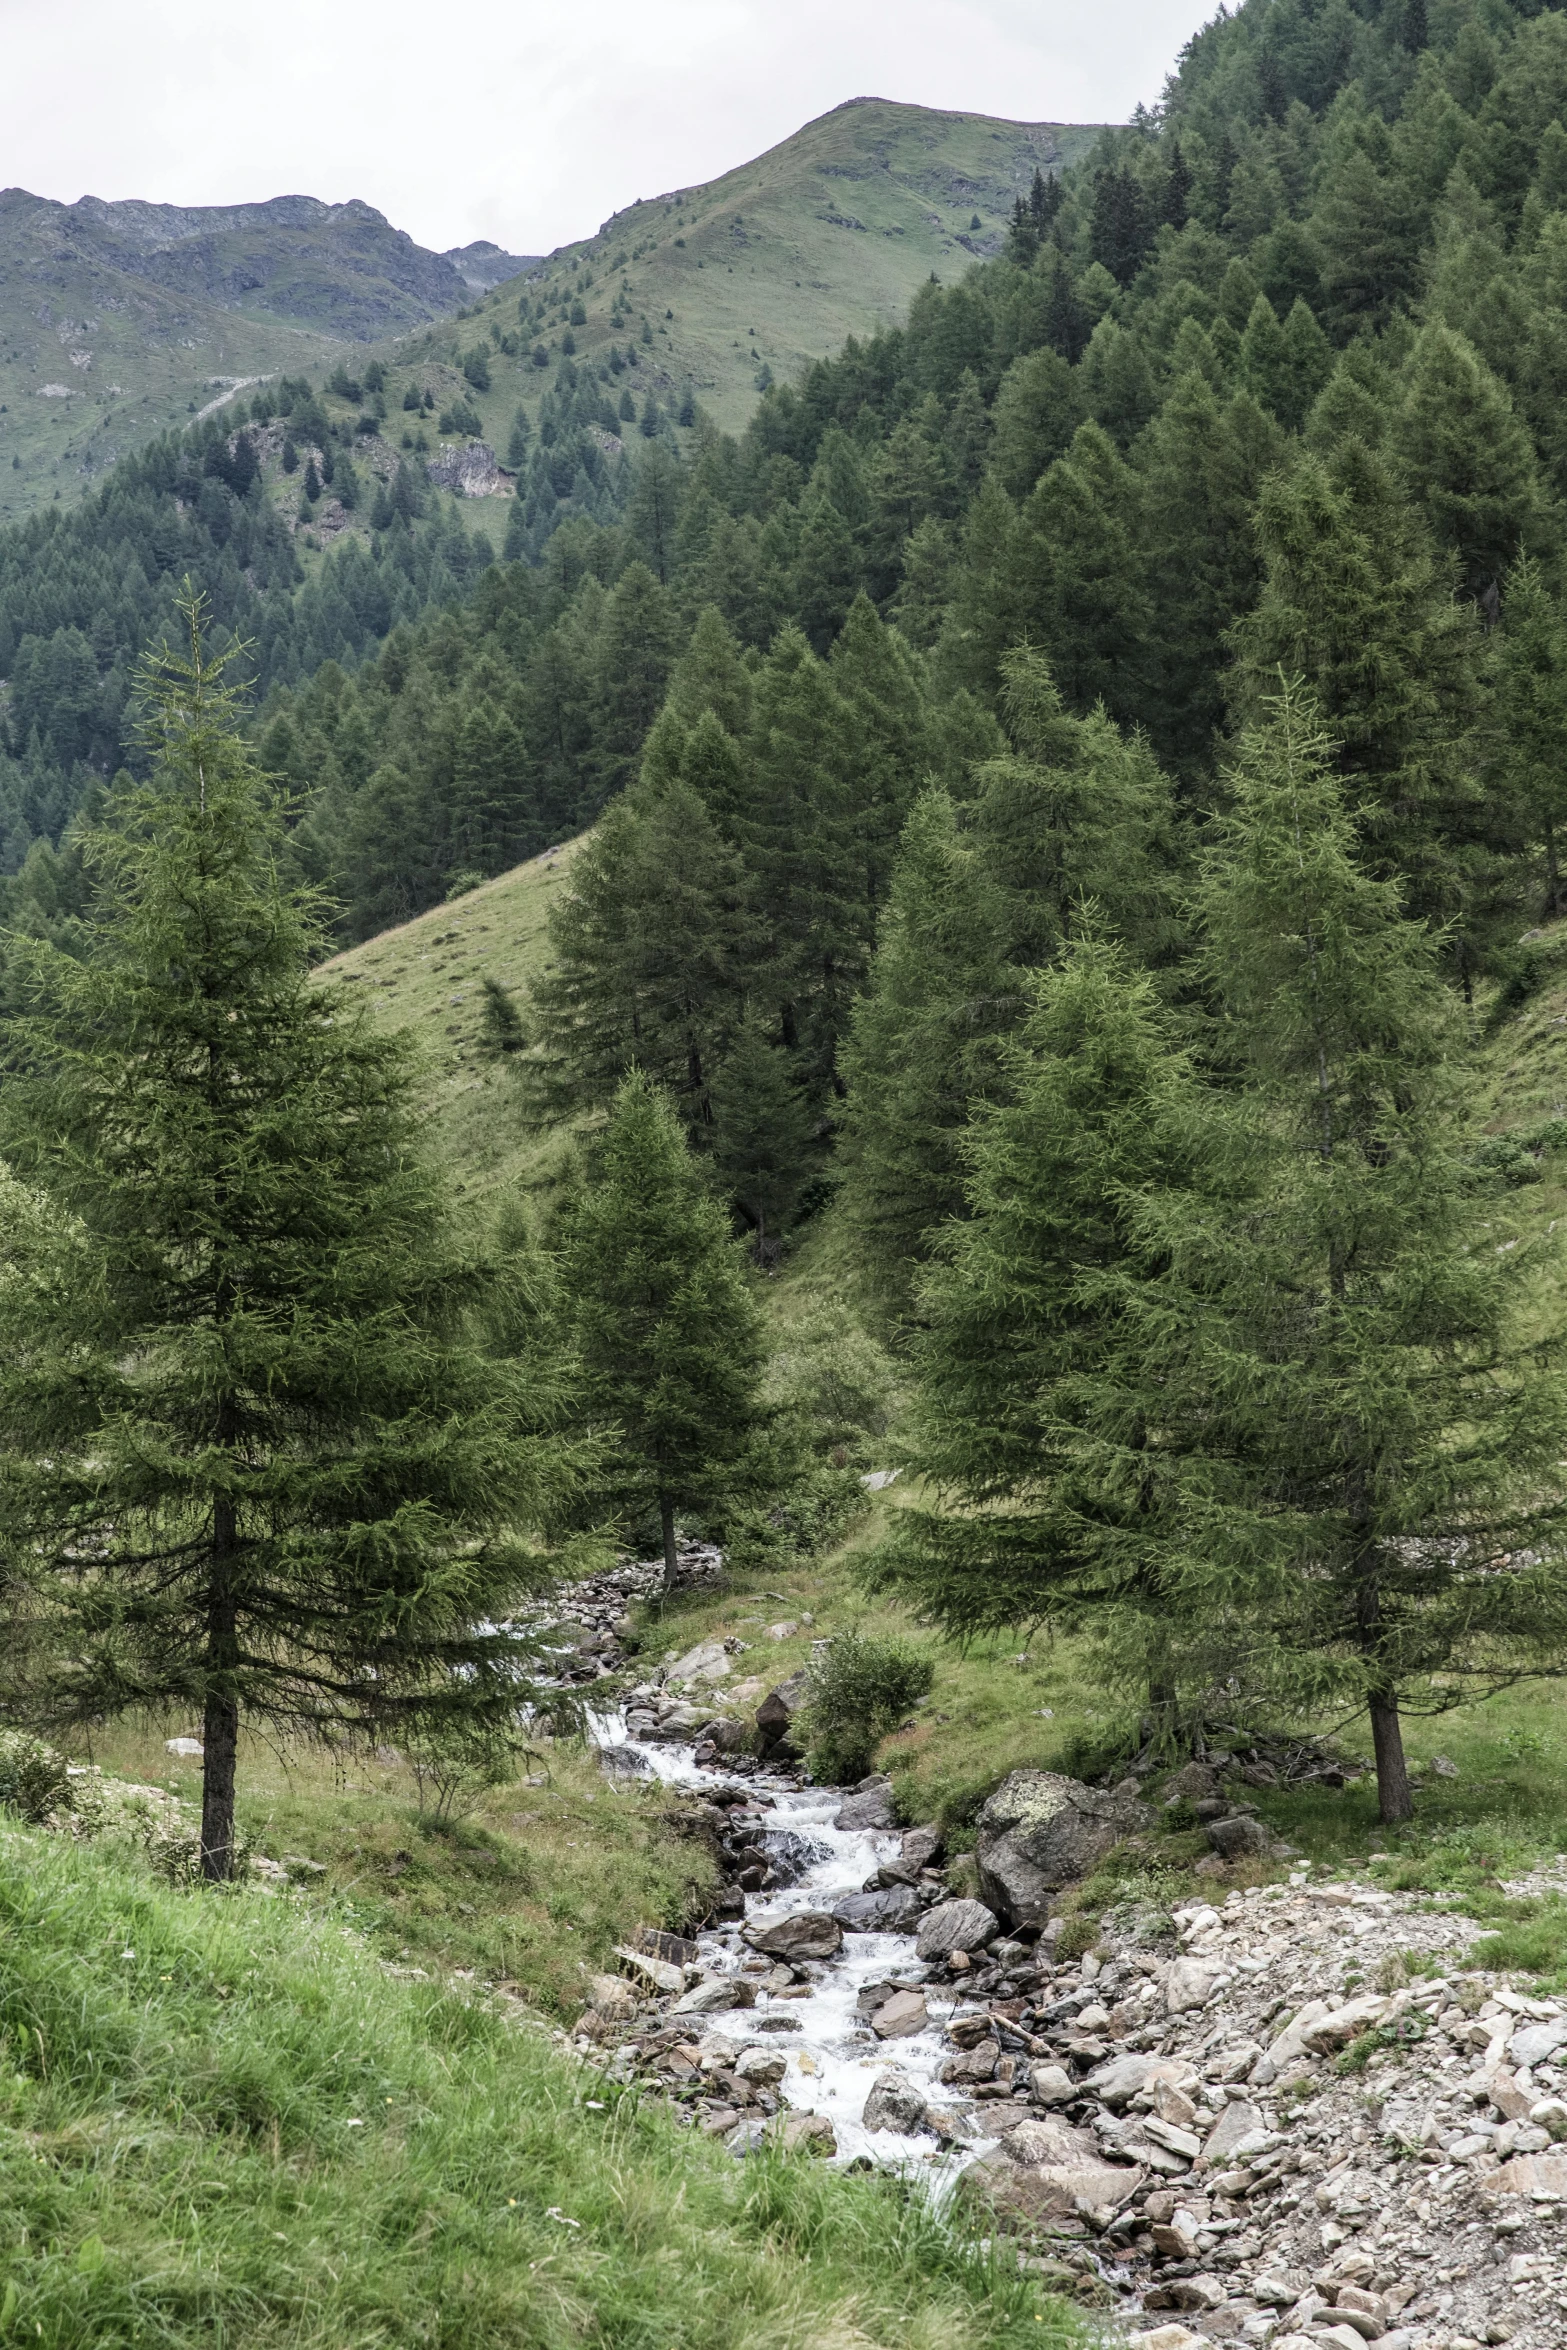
(827, 235)
(120, 320)
(223, 2120)
(427, 977)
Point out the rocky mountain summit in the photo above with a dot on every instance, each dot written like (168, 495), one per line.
(342, 267)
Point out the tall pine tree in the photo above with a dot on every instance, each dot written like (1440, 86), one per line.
(253, 1469)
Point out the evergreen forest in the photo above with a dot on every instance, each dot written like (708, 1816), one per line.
(1045, 862)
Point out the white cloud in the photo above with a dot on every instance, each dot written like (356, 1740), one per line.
(522, 123)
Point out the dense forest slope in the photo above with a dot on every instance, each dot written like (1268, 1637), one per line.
(119, 320)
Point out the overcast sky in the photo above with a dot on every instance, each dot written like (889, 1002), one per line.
(514, 121)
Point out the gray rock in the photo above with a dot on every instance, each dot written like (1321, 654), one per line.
(472, 472)
(1537, 2043)
(716, 1996)
(779, 1707)
(955, 1925)
(728, 1736)
(760, 2066)
(897, 1911)
(900, 2016)
(812, 2132)
(1233, 1838)
(1040, 1831)
(747, 2138)
(1018, 2196)
(1039, 2141)
(867, 1807)
(894, 2104)
(921, 1847)
(1122, 2078)
(1190, 1982)
(1236, 2122)
(804, 1933)
(1052, 2084)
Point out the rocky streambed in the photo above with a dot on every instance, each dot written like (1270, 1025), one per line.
(1292, 2114)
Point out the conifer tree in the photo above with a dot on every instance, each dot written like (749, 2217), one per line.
(713, 764)
(1378, 1459)
(710, 675)
(1077, 576)
(1468, 459)
(666, 1330)
(762, 1124)
(253, 1467)
(1355, 598)
(1075, 815)
(1532, 703)
(1034, 1408)
(882, 687)
(1205, 462)
(923, 1047)
(648, 965)
(800, 847)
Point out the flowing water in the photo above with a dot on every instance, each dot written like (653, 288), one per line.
(833, 2056)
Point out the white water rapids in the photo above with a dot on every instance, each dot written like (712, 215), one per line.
(833, 2057)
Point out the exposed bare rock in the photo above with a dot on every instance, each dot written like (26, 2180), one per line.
(899, 2017)
(870, 1806)
(1039, 1832)
(804, 1933)
(895, 2103)
(472, 472)
(955, 1925)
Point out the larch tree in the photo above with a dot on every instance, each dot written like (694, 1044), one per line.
(256, 1464)
(668, 1335)
(1379, 1444)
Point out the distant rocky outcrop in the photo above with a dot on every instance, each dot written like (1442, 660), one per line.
(472, 472)
(483, 265)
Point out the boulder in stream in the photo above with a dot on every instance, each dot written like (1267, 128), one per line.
(776, 1713)
(894, 2104)
(804, 1933)
(1040, 1831)
(870, 1806)
(900, 2016)
(955, 1925)
(896, 1911)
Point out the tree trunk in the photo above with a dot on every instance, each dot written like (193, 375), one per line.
(220, 1716)
(1394, 1801)
(666, 1513)
(220, 1738)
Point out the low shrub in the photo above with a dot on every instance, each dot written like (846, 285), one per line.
(859, 1689)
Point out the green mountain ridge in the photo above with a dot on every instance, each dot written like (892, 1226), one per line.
(119, 320)
(827, 235)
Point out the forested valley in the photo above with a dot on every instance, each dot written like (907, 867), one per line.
(1021, 1119)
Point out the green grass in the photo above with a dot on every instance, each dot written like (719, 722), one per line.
(222, 2122)
(829, 234)
(534, 1885)
(426, 979)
